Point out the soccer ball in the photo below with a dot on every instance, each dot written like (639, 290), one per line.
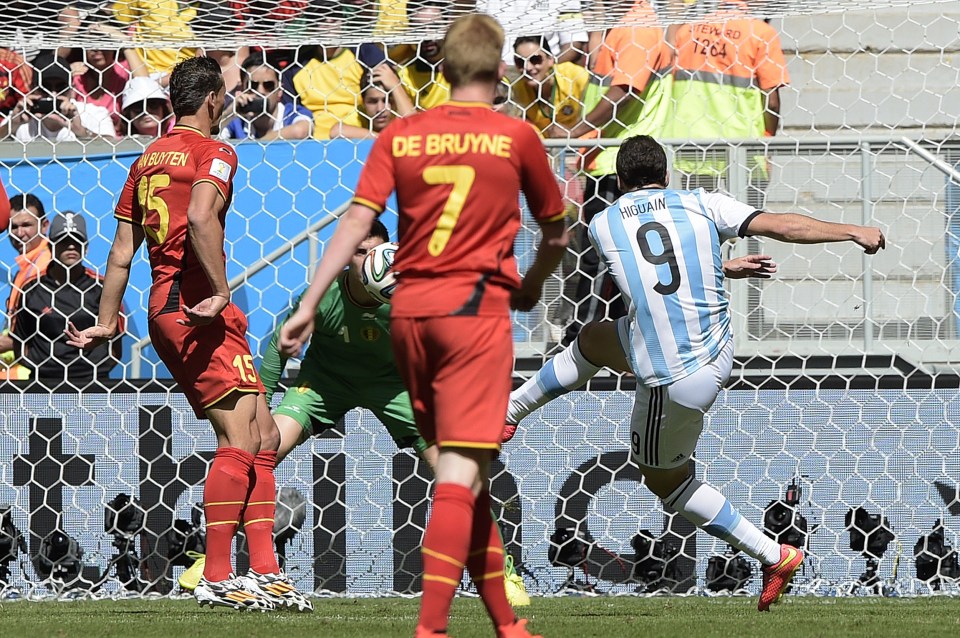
(377, 272)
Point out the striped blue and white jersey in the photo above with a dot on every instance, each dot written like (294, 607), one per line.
(662, 247)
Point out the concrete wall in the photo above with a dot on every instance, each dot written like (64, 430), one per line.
(877, 70)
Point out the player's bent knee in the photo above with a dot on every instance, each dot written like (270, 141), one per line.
(599, 343)
(234, 418)
(291, 434)
(266, 426)
(663, 481)
(464, 466)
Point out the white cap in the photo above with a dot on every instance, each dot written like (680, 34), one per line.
(141, 88)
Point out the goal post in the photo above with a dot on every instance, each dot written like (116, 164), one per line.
(840, 429)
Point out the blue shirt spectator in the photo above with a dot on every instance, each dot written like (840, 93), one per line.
(258, 110)
(286, 114)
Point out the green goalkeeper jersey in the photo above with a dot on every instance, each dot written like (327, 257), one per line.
(350, 347)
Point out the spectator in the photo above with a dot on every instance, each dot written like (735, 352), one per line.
(28, 228)
(258, 110)
(383, 99)
(66, 292)
(16, 78)
(559, 22)
(158, 20)
(728, 73)
(230, 62)
(50, 112)
(420, 75)
(329, 85)
(27, 21)
(99, 79)
(146, 109)
(637, 60)
(547, 93)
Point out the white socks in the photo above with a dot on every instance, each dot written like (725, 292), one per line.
(565, 372)
(709, 510)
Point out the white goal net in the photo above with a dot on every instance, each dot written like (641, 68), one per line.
(840, 430)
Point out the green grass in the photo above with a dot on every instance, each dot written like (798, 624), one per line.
(553, 617)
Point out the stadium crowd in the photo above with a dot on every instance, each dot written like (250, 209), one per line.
(713, 79)
(556, 82)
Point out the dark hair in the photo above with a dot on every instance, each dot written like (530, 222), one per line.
(254, 61)
(137, 109)
(379, 230)
(28, 200)
(538, 40)
(367, 83)
(641, 161)
(191, 82)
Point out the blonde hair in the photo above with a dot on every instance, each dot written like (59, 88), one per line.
(472, 49)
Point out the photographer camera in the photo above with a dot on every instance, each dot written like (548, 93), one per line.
(59, 562)
(871, 535)
(124, 519)
(935, 558)
(258, 110)
(11, 543)
(568, 550)
(50, 111)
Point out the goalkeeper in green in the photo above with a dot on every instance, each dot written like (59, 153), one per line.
(349, 364)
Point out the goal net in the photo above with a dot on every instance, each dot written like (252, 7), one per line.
(839, 431)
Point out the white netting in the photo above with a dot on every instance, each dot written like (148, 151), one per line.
(845, 377)
(219, 24)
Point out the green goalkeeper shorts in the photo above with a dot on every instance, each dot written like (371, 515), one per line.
(320, 409)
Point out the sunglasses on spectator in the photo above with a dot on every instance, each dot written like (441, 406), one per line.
(500, 99)
(268, 85)
(533, 59)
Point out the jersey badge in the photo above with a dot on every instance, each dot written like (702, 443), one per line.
(220, 170)
(370, 333)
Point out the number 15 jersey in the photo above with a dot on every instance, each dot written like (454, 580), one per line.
(156, 196)
(663, 249)
(458, 170)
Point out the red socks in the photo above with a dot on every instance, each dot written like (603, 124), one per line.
(224, 495)
(445, 549)
(485, 563)
(258, 516)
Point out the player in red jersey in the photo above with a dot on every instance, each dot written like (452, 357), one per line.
(457, 170)
(176, 197)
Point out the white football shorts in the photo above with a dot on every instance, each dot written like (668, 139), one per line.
(667, 420)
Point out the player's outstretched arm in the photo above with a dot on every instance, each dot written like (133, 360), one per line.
(553, 244)
(352, 229)
(750, 266)
(795, 228)
(274, 361)
(126, 242)
(206, 239)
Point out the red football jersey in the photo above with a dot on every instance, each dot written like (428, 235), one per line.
(156, 196)
(458, 170)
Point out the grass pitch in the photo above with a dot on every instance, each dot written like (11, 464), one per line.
(552, 617)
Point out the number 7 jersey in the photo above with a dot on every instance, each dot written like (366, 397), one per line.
(156, 196)
(663, 249)
(458, 170)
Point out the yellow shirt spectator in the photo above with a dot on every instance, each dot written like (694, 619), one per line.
(391, 17)
(425, 85)
(158, 20)
(566, 99)
(331, 90)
